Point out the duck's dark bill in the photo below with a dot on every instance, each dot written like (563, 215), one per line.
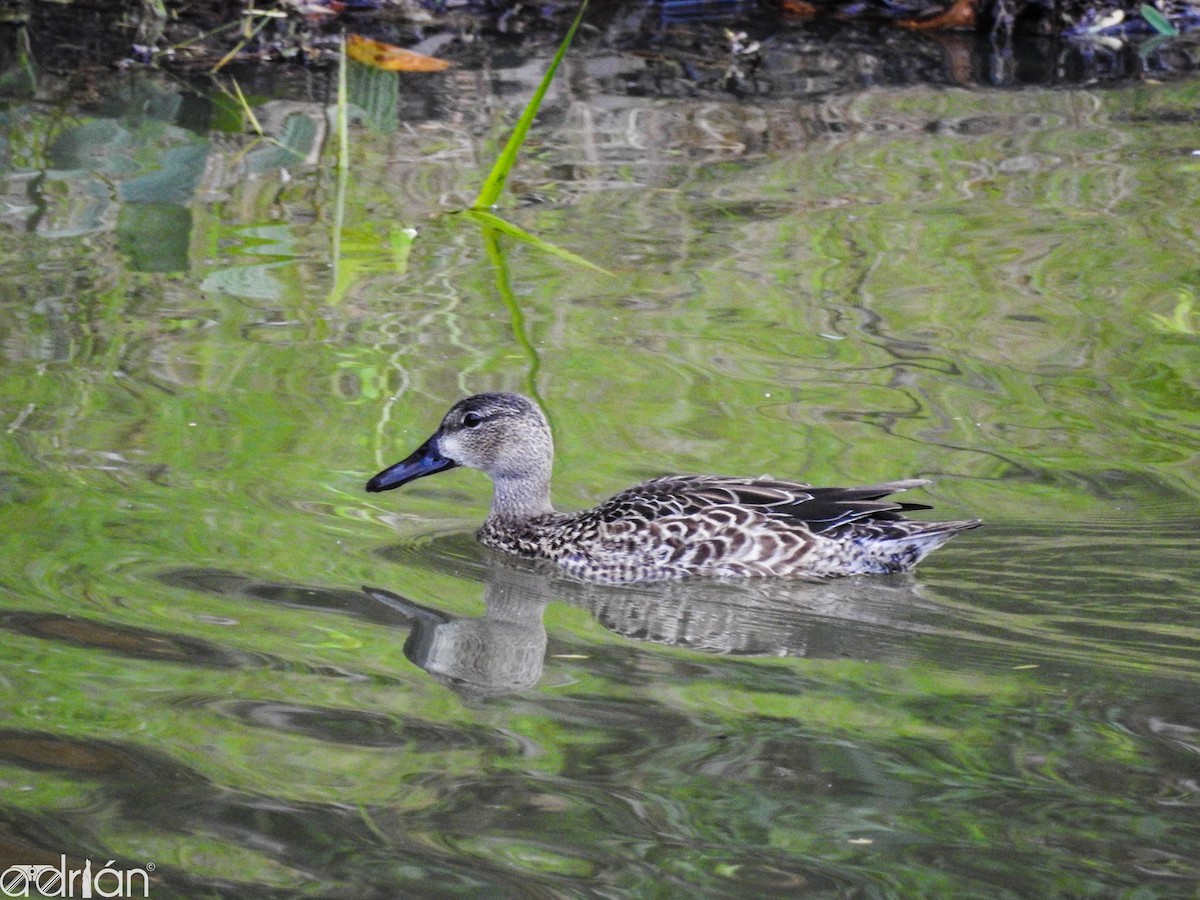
(425, 461)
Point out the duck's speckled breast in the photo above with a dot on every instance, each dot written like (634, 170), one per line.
(579, 544)
(540, 537)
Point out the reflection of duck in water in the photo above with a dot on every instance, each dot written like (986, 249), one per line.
(503, 651)
(669, 527)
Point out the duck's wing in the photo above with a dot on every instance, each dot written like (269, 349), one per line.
(785, 502)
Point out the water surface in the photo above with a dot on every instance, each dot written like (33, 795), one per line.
(222, 657)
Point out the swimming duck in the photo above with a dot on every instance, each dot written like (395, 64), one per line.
(669, 527)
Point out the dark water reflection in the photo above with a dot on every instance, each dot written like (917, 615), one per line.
(151, 791)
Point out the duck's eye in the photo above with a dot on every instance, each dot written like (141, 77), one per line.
(471, 419)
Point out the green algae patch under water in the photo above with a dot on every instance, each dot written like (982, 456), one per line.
(992, 290)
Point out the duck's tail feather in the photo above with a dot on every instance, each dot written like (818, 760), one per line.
(916, 540)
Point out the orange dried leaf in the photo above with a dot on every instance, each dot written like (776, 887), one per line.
(798, 8)
(390, 57)
(960, 16)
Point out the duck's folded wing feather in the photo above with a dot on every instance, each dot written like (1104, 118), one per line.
(818, 509)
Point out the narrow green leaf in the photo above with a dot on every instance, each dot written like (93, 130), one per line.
(343, 114)
(493, 185)
(1184, 320)
(491, 243)
(401, 242)
(1152, 44)
(341, 281)
(1158, 21)
(491, 220)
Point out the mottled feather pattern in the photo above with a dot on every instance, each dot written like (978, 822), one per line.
(674, 526)
(683, 525)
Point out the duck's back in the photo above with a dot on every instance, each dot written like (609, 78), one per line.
(683, 525)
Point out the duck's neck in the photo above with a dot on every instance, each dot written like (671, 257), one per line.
(516, 499)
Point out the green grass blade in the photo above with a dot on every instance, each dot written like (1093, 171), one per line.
(343, 112)
(1158, 21)
(493, 185)
(491, 220)
(342, 170)
(491, 243)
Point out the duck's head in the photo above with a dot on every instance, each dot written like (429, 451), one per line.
(504, 435)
